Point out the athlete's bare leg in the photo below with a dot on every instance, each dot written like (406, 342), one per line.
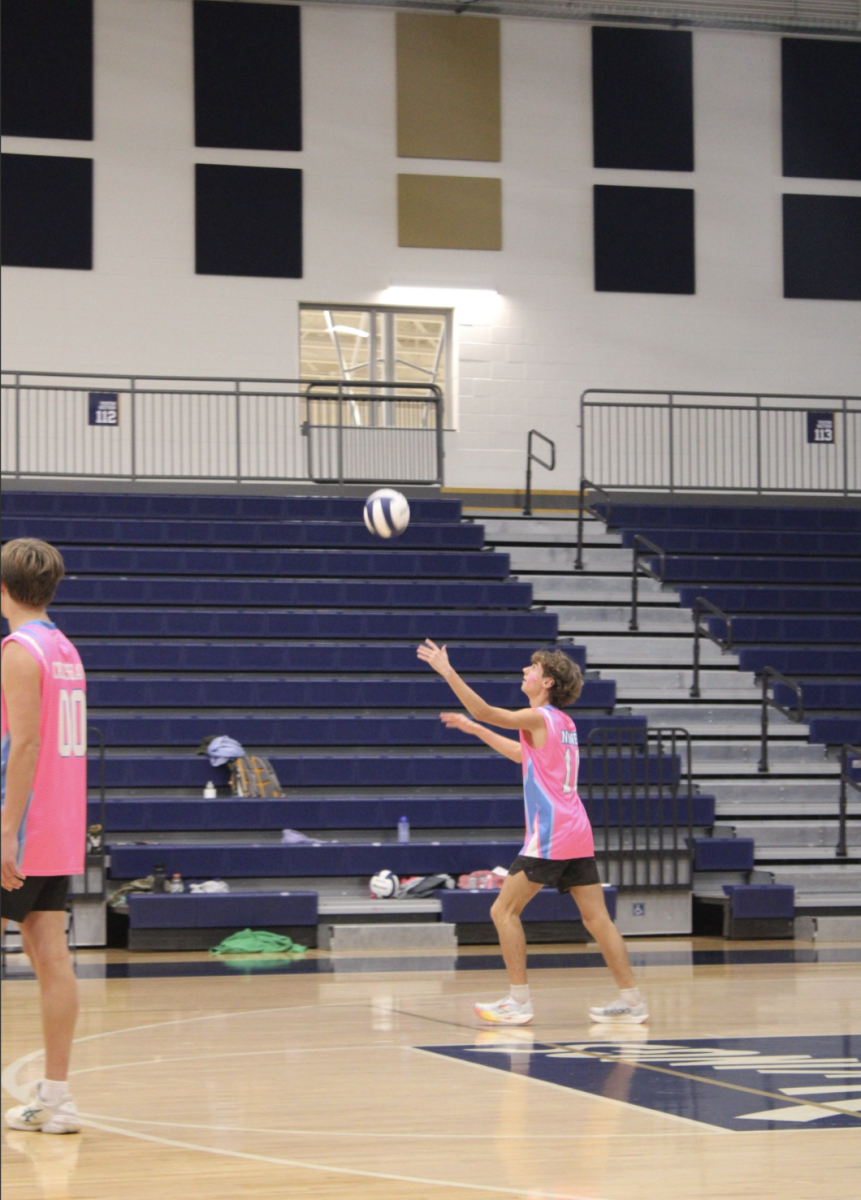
(593, 909)
(515, 894)
(44, 938)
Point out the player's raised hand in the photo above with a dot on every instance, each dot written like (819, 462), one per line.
(435, 656)
(459, 721)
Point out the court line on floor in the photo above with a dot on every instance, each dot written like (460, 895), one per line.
(722, 1083)
(461, 1137)
(530, 1193)
(11, 1085)
(700, 1126)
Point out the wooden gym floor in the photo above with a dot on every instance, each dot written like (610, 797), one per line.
(371, 1077)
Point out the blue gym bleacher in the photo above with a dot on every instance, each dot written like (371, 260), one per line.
(282, 622)
(790, 579)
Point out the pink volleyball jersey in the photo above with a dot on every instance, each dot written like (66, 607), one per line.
(556, 822)
(52, 833)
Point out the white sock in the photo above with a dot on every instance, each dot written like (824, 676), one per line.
(520, 992)
(53, 1091)
(631, 996)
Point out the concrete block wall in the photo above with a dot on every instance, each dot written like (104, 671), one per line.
(143, 310)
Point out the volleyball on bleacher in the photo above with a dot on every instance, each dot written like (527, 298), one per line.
(385, 885)
(387, 513)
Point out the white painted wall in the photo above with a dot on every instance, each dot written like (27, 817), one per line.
(143, 310)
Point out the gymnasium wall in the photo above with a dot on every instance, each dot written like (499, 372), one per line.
(142, 308)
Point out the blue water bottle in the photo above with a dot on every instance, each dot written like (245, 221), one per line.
(404, 829)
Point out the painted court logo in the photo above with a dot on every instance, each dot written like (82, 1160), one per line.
(733, 1083)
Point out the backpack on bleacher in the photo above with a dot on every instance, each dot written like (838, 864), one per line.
(253, 776)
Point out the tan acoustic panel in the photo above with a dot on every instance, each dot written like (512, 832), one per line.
(449, 212)
(448, 87)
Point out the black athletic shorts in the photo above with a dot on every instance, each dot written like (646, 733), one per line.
(561, 873)
(38, 893)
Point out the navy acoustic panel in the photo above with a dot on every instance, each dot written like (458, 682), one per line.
(822, 247)
(644, 239)
(821, 82)
(247, 76)
(248, 220)
(47, 68)
(47, 218)
(642, 99)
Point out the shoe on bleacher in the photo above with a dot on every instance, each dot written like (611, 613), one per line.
(620, 1013)
(506, 1012)
(39, 1117)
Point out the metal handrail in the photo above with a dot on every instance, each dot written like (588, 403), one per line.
(641, 464)
(385, 392)
(594, 487)
(530, 456)
(413, 462)
(634, 868)
(638, 566)
(845, 778)
(725, 643)
(768, 675)
(102, 812)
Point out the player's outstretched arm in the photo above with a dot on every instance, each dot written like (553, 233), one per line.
(496, 741)
(522, 718)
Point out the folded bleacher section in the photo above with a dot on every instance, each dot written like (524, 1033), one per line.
(790, 578)
(283, 623)
(790, 581)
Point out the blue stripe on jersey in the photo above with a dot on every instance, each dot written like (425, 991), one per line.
(539, 804)
(22, 828)
(4, 758)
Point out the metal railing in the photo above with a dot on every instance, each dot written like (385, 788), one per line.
(220, 429)
(532, 457)
(641, 547)
(91, 886)
(700, 630)
(360, 433)
(587, 484)
(647, 834)
(770, 675)
(846, 780)
(685, 442)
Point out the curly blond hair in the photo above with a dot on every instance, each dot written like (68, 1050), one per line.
(567, 676)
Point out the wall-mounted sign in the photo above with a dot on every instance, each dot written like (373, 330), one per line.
(820, 428)
(104, 408)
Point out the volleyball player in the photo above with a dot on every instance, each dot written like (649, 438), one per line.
(559, 849)
(44, 795)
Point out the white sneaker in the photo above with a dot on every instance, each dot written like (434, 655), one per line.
(39, 1117)
(620, 1013)
(506, 1012)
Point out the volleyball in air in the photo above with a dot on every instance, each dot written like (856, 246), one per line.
(387, 513)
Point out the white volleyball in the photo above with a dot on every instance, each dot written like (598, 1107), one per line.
(385, 885)
(387, 513)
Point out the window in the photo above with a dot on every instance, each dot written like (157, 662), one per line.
(376, 345)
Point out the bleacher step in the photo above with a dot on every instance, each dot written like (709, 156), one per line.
(597, 589)
(514, 530)
(627, 649)
(833, 929)
(411, 936)
(613, 618)
(561, 558)
(348, 904)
